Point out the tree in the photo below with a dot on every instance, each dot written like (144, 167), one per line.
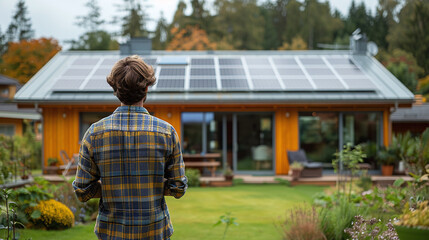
(240, 23)
(403, 65)
(3, 44)
(20, 27)
(297, 44)
(133, 23)
(94, 38)
(412, 32)
(190, 38)
(159, 41)
(25, 58)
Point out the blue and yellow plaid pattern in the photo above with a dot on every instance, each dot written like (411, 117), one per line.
(136, 160)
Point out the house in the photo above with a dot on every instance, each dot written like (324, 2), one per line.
(11, 117)
(250, 107)
(414, 120)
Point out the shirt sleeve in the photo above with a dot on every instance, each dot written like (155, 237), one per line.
(86, 183)
(176, 181)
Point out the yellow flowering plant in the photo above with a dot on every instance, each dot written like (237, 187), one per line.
(53, 215)
(418, 217)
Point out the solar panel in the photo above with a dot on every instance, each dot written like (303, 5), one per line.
(340, 61)
(348, 71)
(266, 84)
(363, 83)
(261, 72)
(290, 71)
(109, 61)
(85, 62)
(297, 84)
(98, 84)
(285, 62)
(202, 83)
(257, 61)
(235, 83)
(77, 72)
(319, 71)
(311, 61)
(180, 72)
(102, 72)
(67, 84)
(232, 72)
(173, 60)
(170, 83)
(150, 61)
(328, 84)
(202, 61)
(203, 72)
(230, 61)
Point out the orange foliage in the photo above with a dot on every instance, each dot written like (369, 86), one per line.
(190, 38)
(25, 58)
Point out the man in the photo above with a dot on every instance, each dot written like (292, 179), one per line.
(131, 160)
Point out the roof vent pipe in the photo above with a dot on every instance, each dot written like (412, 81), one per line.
(358, 42)
(139, 46)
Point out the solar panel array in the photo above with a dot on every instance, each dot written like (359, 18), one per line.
(227, 73)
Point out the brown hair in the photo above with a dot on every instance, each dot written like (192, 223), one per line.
(130, 77)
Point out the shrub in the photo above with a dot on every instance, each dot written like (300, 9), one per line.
(193, 176)
(53, 215)
(363, 229)
(418, 217)
(302, 224)
(339, 217)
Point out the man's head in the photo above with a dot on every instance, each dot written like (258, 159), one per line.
(130, 77)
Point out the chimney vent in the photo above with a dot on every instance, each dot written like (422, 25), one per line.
(139, 46)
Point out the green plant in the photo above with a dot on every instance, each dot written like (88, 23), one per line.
(228, 172)
(414, 151)
(302, 223)
(284, 182)
(386, 156)
(340, 216)
(348, 158)
(297, 165)
(364, 181)
(9, 216)
(418, 217)
(363, 229)
(228, 220)
(193, 176)
(53, 215)
(53, 161)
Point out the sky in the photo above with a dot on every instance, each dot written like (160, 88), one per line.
(57, 18)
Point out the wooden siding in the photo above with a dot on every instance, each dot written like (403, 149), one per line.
(13, 121)
(61, 123)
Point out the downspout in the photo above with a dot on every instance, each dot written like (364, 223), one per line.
(38, 110)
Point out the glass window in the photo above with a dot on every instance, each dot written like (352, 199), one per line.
(7, 129)
(254, 141)
(318, 135)
(192, 132)
(88, 118)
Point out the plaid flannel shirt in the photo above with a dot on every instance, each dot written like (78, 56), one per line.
(136, 160)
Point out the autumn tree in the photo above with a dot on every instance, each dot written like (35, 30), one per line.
(20, 27)
(297, 44)
(25, 58)
(190, 38)
(94, 37)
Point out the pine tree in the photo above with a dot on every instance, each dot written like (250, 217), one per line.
(159, 41)
(133, 24)
(20, 27)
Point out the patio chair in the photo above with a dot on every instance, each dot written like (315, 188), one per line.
(311, 169)
(70, 164)
(261, 154)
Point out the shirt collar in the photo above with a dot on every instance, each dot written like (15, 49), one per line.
(128, 109)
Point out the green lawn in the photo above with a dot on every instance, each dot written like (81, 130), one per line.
(256, 207)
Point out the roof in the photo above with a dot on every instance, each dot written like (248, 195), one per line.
(77, 77)
(11, 110)
(5, 80)
(418, 113)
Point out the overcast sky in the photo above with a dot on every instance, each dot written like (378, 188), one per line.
(56, 18)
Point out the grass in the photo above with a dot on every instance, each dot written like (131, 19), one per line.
(256, 207)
